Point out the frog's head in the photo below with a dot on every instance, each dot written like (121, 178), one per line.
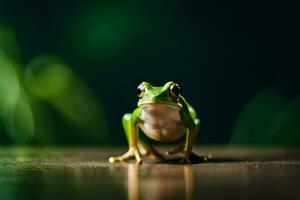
(168, 94)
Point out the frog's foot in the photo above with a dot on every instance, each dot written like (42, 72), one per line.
(133, 152)
(194, 156)
(179, 149)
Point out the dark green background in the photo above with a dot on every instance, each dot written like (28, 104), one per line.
(236, 63)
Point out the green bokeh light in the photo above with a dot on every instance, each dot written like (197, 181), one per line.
(47, 77)
(288, 132)
(29, 95)
(9, 84)
(20, 122)
(268, 118)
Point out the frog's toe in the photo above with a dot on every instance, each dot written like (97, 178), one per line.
(112, 159)
(118, 159)
(205, 158)
(175, 151)
(137, 155)
(133, 152)
(139, 161)
(200, 158)
(115, 159)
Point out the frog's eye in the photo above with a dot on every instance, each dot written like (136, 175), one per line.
(174, 90)
(140, 90)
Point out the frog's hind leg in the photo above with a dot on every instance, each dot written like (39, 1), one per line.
(180, 149)
(132, 152)
(149, 151)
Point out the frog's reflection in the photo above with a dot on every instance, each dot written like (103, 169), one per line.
(160, 182)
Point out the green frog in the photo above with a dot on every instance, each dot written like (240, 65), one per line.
(163, 115)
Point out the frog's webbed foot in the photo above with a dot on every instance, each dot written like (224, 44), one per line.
(133, 152)
(192, 156)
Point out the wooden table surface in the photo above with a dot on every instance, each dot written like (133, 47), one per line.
(85, 173)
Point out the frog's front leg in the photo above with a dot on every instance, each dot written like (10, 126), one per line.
(187, 151)
(130, 122)
(189, 141)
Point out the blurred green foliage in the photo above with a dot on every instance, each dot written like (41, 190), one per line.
(268, 118)
(26, 92)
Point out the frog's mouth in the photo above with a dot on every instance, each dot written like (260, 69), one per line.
(153, 103)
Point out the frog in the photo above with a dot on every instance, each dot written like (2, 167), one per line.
(162, 115)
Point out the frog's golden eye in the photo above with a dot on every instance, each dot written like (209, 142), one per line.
(140, 90)
(174, 90)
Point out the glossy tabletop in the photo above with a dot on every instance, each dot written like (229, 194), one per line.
(85, 173)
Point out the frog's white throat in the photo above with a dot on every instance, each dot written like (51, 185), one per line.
(161, 122)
